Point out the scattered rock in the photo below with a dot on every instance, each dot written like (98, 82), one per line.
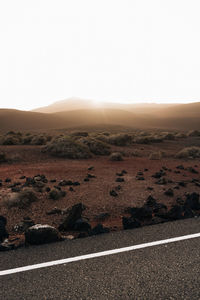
(54, 211)
(161, 181)
(182, 183)
(175, 213)
(150, 201)
(113, 193)
(102, 216)
(41, 234)
(169, 193)
(159, 174)
(192, 170)
(74, 213)
(130, 223)
(99, 229)
(24, 225)
(139, 178)
(192, 201)
(141, 213)
(90, 168)
(3, 232)
(90, 175)
(180, 167)
(81, 225)
(119, 179)
(56, 194)
(7, 180)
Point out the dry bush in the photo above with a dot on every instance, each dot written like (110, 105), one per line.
(11, 140)
(39, 140)
(189, 152)
(142, 140)
(67, 147)
(136, 153)
(80, 133)
(157, 155)
(180, 135)
(27, 139)
(120, 139)
(168, 136)
(97, 147)
(116, 156)
(193, 133)
(21, 200)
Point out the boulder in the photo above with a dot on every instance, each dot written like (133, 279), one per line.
(141, 213)
(99, 229)
(81, 225)
(175, 213)
(192, 201)
(169, 193)
(41, 234)
(74, 213)
(130, 223)
(3, 232)
(24, 224)
(113, 193)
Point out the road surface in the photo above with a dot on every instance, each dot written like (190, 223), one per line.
(167, 271)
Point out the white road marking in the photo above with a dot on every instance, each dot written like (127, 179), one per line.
(98, 254)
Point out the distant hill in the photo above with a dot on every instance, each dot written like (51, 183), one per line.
(78, 104)
(182, 117)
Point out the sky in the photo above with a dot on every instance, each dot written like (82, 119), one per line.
(108, 50)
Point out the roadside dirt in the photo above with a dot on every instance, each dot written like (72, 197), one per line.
(95, 193)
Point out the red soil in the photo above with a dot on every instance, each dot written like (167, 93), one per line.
(95, 193)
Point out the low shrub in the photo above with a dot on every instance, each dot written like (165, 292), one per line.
(193, 133)
(180, 135)
(97, 147)
(119, 139)
(116, 156)
(67, 147)
(189, 152)
(21, 200)
(156, 155)
(80, 133)
(38, 140)
(11, 140)
(27, 140)
(168, 136)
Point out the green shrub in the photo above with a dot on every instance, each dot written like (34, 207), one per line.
(67, 147)
(189, 152)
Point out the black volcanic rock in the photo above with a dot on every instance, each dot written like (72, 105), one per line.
(130, 223)
(3, 232)
(74, 214)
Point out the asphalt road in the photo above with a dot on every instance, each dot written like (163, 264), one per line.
(170, 271)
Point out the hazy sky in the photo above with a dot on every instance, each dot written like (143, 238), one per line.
(137, 50)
